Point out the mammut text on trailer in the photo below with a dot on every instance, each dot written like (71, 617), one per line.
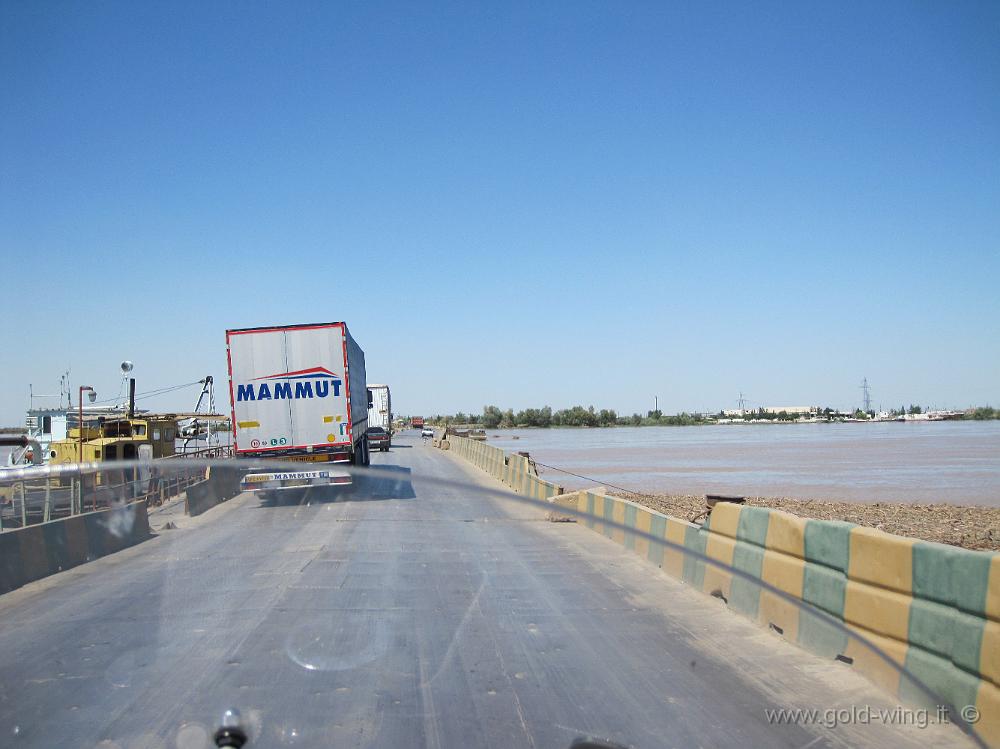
(298, 393)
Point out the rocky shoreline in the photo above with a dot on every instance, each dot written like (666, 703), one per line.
(969, 527)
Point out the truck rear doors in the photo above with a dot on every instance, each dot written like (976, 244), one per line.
(288, 388)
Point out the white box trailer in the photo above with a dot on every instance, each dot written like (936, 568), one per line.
(298, 393)
(380, 410)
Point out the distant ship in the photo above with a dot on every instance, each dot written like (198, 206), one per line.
(932, 416)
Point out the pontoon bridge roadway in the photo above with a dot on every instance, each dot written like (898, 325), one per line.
(409, 613)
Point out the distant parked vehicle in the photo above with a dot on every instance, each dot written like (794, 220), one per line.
(417, 422)
(378, 439)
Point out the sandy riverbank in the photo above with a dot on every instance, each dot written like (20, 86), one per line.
(965, 526)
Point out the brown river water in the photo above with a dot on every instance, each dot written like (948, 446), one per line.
(950, 461)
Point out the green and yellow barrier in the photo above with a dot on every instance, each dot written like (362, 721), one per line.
(516, 471)
(933, 609)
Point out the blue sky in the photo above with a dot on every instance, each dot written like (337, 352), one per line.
(520, 204)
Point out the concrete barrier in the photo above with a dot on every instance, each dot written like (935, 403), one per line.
(570, 500)
(933, 609)
(222, 483)
(516, 471)
(37, 551)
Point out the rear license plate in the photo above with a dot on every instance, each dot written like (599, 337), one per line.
(318, 458)
(261, 477)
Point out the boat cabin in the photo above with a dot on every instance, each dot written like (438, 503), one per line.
(118, 438)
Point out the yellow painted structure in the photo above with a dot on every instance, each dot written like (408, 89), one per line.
(116, 439)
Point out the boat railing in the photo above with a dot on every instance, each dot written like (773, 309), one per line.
(220, 451)
(32, 501)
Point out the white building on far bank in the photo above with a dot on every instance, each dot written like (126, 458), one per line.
(797, 410)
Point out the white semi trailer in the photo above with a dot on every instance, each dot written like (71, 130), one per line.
(298, 394)
(380, 412)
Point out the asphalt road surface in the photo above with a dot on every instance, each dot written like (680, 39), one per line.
(404, 613)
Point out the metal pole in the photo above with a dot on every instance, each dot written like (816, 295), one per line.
(48, 501)
(24, 510)
(89, 389)
(79, 425)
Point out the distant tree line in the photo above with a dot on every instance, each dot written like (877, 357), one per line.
(983, 413)
(493, 417)
(761, 414)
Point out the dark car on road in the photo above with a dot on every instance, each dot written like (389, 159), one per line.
(378, 439)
